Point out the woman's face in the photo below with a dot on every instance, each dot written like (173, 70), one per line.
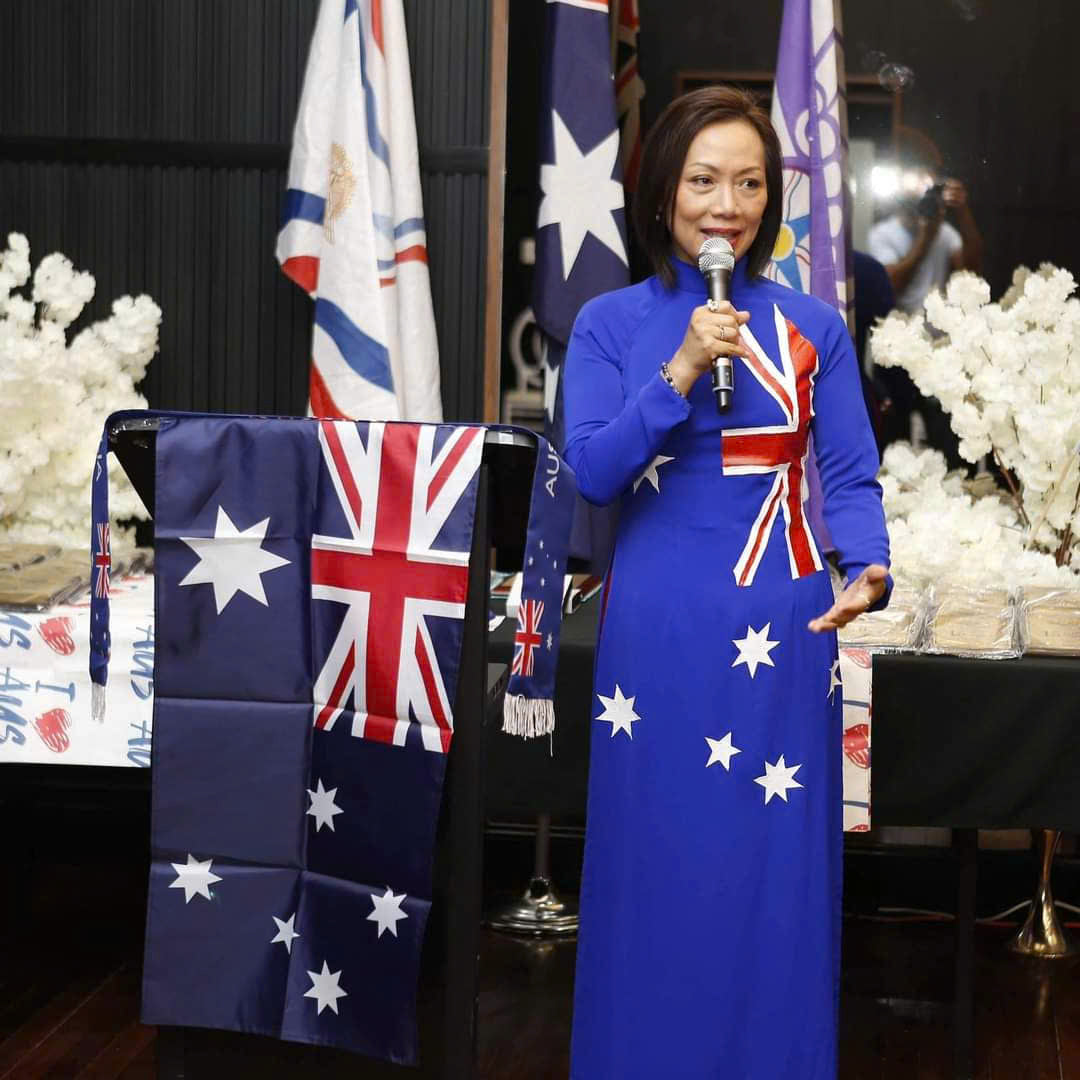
(721, 190)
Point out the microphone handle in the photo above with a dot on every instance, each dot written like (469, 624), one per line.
(723, 369)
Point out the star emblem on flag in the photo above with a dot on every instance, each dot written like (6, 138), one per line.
(754, 649)
(285, 933)
(580, 194)
(325, 988)
(778, 779)
(386, 911)
(194, 877)
(618, 712)
(323, 808)
(232, 560)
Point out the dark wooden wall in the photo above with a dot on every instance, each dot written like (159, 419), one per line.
(148, 140)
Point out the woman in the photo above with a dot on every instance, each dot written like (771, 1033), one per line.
(710, 936)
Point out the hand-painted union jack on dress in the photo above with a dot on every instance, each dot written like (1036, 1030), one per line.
(403, 562)
(779, 449)
(527, 638)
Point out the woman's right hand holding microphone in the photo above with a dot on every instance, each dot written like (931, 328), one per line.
(713, 330)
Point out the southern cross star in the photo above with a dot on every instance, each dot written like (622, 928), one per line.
(778, 779)
(386, 911)
(754, 649)
(194, 878)
(618, 712)
(722, 751)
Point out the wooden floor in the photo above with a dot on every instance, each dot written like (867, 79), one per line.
(69, 1001)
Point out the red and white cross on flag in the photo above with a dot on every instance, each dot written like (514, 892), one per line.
(397, 494)
(102, 561)
(780, 450)
(527, 637)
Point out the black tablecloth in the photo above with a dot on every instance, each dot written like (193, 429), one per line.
(976, 743)
(956, 742)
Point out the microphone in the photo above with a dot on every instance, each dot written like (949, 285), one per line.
(716, 260)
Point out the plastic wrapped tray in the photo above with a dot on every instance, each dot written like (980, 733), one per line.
(1050, 621)
(896, 629)
(963, 621)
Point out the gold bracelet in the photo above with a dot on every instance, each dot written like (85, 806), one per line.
(665, 373)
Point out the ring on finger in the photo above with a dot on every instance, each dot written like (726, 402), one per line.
(713, 305)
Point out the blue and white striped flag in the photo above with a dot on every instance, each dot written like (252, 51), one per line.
(353, 234)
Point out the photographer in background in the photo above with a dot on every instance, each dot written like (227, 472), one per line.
(920, 250)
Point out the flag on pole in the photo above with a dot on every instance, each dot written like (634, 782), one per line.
(353, 234)
(809, 112)
(581, 227)
(629, 90)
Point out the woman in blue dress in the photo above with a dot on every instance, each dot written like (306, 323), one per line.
(710, 907)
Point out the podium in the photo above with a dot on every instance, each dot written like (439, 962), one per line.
(449, 961)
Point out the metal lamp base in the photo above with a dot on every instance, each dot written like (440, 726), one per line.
(539, 913)
(1042, 935)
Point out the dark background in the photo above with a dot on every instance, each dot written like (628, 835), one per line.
(147, 140)
(994, 87)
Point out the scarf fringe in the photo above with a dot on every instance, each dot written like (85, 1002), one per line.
(531, 718)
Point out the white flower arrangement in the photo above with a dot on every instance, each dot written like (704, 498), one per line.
(55, 396)
(943, 528)
(1009, 376)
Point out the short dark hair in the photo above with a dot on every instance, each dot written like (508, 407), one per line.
(663, 157)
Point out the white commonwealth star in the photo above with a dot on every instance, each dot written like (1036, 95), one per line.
(551, 387)
(754, 649)
(618, 712)
(834, 679)
(721, 750)
(323, 808)
(325, 988)
(386, 911)
(285, 931)
(194, 878)
(579, 194)
(232, 561)
(777, 779)
(650, 472)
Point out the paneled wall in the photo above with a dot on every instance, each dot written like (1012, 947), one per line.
(148, 140)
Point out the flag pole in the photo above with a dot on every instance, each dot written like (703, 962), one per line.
(496, 185)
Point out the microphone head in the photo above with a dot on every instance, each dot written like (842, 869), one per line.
(716, 254)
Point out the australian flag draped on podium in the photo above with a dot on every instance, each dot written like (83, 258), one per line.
(352, 233)
(311, 585)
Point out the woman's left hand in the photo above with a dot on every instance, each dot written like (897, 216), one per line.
(863, 592)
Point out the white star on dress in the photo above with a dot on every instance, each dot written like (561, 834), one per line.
(323, 808)
(387, 911)
(722, 751)
(580, 195)
(325, 988)
(285, 933)
(754, 649)
(834, 679)
(650, 473)
(550, 641)
(778, 779)
(194, 878)
(618, 712)
(232, 561)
